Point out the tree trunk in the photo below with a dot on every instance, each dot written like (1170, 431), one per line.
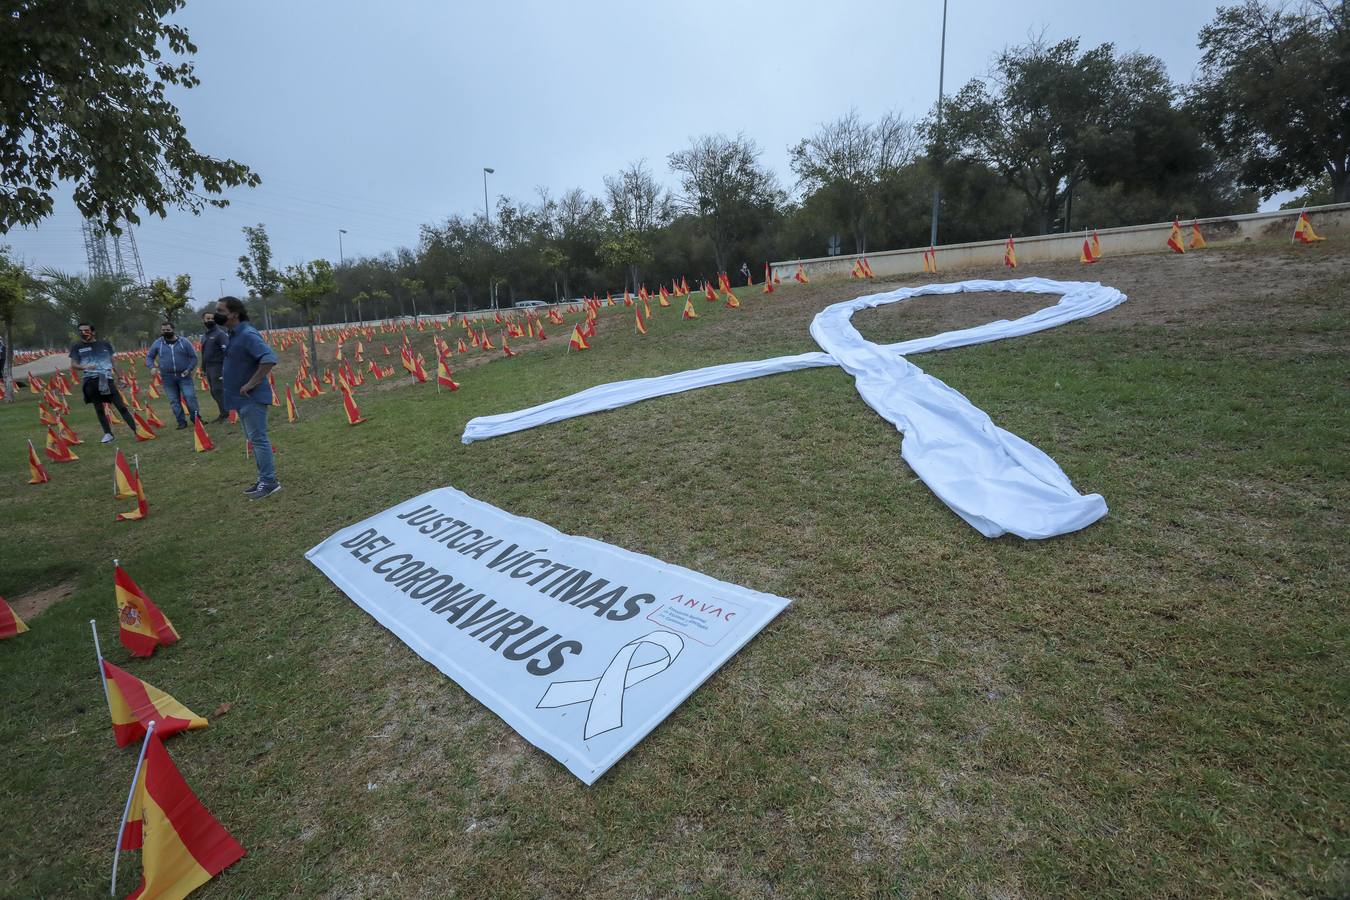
(313, 347)
(7, 362)
(1340, 186)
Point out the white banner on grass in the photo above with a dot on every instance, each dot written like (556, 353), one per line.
(580, 646)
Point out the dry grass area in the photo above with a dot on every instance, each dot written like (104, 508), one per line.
(1154, 706)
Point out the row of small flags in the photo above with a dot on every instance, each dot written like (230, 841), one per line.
(182, 845)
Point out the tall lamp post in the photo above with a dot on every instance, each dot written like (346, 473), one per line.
(487, 219)
(342, 261)
(222, 287)
(937, 167)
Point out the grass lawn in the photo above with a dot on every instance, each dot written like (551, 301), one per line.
(1154, 706)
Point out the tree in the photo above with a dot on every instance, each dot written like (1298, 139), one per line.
(1274, 97)
(415, 288)
(359, 299)
(171, 299)
(556, 261)
(626, 249)
(726, 187)
(847, 160)
(100, 300)
(255, 268)
(306, 286)
(13, 292)
(83, 98)
(637, 206)
(383, 299)
(1050, 117)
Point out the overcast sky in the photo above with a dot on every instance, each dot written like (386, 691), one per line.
(377, 118)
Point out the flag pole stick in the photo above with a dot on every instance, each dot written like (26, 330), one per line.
(126, 810)
(98, 652)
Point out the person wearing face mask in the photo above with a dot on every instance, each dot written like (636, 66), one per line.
(213, 360)
(91, 362)
(248, 360)
(176, 360)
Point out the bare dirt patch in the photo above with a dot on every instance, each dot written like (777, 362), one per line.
(37, 602)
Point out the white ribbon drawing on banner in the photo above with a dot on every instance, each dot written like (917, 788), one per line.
(605, 694)
(991, 478)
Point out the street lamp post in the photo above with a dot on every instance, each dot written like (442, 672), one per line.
(222, 287)
(487, 219)
(937, 165)
(341, 259)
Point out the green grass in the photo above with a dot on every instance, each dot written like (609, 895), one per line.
(1154, 706)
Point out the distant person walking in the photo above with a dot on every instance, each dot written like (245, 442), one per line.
(214, 340)
(176, 360)
(91, 361)
(248, 360)
(745, 272)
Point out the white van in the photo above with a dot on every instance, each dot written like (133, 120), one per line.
(529, 304)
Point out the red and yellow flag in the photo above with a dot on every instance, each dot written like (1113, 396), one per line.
(291, 414)
(10, 623)
(1010, 254)
(153, 420)
(1085, 255)
(141, 626)
(200, 439)
(354, 416)
(689, 309)
(708, 293)
(930, 261)
(182, 845)
(36, 473)
(1303, 231)
(143, 431)
(867, 268)
(124, 482)
(56, 448)
(138, 487)
(732, 302)
(135, 703)
(445, 377)
(1197, 241)
(768, 280)
(1096, 245)
(1174, 239)
(578, 340)
(67, 433)
(640, 326)
(801, 274)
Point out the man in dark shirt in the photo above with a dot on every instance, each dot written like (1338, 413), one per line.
(248, 360)
(91, 361)
(176, 360)
(214, 340)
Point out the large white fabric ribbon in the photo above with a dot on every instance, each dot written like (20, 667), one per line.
(605, 694)
(990, 477)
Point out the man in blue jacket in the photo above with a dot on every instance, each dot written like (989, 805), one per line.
(248, 360)
(176, 360)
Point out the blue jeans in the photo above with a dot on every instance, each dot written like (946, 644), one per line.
(176, 385)
(254, 417)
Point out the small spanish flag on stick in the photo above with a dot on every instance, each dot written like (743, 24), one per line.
(349, 406)
(124, 482)
(10, 623)
(639, 326)
(768, 280)
(182, 845)
(689, 309)
(1174, 239)
(134, 704)
(56, 448)
(732, 302)
(200, 439)
(36, 473)
(142, 508)
(577, 341)
(930, 261)
(801, 274)
(1197, 241)
(290, 402)
(1010, 254)
(143, 431)
(1303, 231)
(141, 626)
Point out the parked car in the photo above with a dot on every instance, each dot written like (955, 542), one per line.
(529, 304)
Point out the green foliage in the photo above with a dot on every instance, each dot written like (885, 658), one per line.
(727, 188)
(104, 301)
(168, 299)
(83, 98)
(305, 287)
(1274, 94)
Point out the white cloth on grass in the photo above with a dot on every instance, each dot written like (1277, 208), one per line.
(990, 477)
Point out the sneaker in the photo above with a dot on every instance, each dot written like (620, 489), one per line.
(220, 418)
(264, 490)
(108, 438)
(253, 488)
(182, 425)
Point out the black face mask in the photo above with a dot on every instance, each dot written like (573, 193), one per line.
(209, 324)
(167, 335)
(220, 318)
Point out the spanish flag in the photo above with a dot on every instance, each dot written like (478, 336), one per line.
(689, 309)
(1174, 239)
(1010, 254)
(10, 623)
(151, 419)
(182, 845)
(709, 294)
(1096, 245)
(135, 703)
(732, 302)
(124, 482)
(640, 327)
(578, 340)
(36, 473)
(867, 268)
(418, 371)
(1303, 231)
(930, 261)
(291, 415)
(67, 433)
(142, 508)
(143, 431)
(1197, 239)
(801, 274)
(857, 270)
(444, 377)
(354, 416)
(200, 439)
(141, 626)
(768, 280)
(1085, 255)
(56, 448)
